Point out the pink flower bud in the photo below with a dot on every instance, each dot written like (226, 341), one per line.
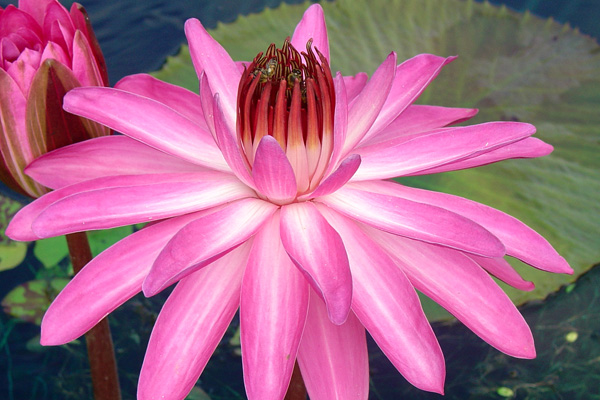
(45, 51)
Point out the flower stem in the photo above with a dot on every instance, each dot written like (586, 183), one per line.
(103, 366)
(296, 390)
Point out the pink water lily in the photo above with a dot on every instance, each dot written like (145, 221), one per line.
(267, 193)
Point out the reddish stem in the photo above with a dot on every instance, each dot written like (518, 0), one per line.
(296, 390)
(103, 366)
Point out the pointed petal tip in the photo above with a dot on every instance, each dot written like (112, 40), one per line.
(527, 352)
(315, 8)
(555, 264)
(17, 232)
(338, 315)
(192, 23)
(46, 340)
(150, 287)
(338, 305)
(565, 268)
(434, 384)
(496, 249)
(72, 96)
(548, 148)
(50, 336)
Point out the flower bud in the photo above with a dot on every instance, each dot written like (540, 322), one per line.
(45, 51)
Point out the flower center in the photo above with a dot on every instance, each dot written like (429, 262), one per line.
(289, 95)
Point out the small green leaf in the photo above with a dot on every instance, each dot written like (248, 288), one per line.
(11, 254)
(51, 251)
(30, 300)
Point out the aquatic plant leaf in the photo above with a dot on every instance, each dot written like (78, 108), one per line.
(11, 253)
(512, 67)
(101, 240)
(29, 301)
(51, 251)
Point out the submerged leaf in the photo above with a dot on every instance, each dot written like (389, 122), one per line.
(30, 300)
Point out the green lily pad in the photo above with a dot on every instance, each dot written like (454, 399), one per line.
(30, 300)
(511, 66)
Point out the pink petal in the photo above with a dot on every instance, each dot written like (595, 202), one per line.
(207, 105)
(502, 270)
(368, 104)
(415, 220)
(355, 84)
(206, 239)
(333, 359)
(317, 249)
(312, 27)
(273, 174)
(521, 241)
(19, 227)
(419, 119)
(24, 69)
(274, 303)
(15, 147)
(386, 303)
(411, 78)
(131, 199)
(100, 157)
(340, 126)
(190, 326)
(230, 146)
(56, 16)
(148, 121)
(211, 58)
(526, 148)
(185, 102)
(464, 289)
(35, 8)
(56, 52)
(85, 67)
(339, 178)
(109, 280)
(398, 157)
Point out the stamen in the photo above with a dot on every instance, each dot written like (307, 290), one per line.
(290, 96)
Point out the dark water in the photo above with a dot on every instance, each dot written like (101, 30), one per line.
(136, 36)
